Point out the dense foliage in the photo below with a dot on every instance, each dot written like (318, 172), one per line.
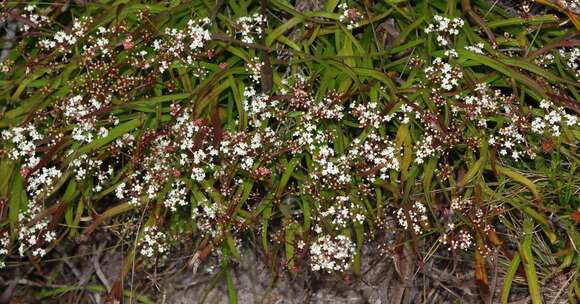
(306, 130)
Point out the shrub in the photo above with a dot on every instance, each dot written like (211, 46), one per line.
(448, 127)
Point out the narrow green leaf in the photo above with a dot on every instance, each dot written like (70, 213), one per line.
(17, 197)
(113, 134)
(282, 28)
(232, 293)
(286, 176)
(509, 278)
(522, 180)
(289, 234)
(528, 261)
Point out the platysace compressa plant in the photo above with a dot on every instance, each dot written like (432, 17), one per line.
(191, 130)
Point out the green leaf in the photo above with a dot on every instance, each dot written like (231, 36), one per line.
(282, 28)
(509, 278)
(428, 172)
(403, 139)
(522, 180)
(289, 234)
(359, 239)
(306, 214)
(67, 199)
(17, 201)
(528, 261)
(113, 134)
(476, 167)
(286, 176)
(232, 245)
(502, 68)
(6, 172)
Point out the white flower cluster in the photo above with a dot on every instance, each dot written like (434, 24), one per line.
(76, 107)
(6, 65)
(444, 27)
(157, 165)
(197, 154)
(197, 35)
(463, 240)
(154, 243)
(206, 216)
(299, 96)
(133, 188)
(553, 118)
(331, 171)
(254, 67)
(406, 113)
(33, 234)
(379, 156)
(100, 44)
(509, 140)
(477, 49)
(443, 74)
(182, 46)
(451, 53)
(34, 237)
(245, 149)
(481, 103)
(186, 128)
(329, 107)
(350, 16)
(85, 131)
(180, 149)
(425, 149)
(126, 140)
(331, 254)
(371, 157)
(80, 26)
(31, 19)
(465, 211)
(42, 182)
(417, 217)
(369, 114)
(258, 106)
(544, 60)
(85, 166)
(572, 5)
(78, 110)
(177, 196)
(571, 59)
(458, 204)
(64, 41)
(24, 139)
(250, 27)
(341, 213)
(121, 190)
(308, 134)
(4, 243)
